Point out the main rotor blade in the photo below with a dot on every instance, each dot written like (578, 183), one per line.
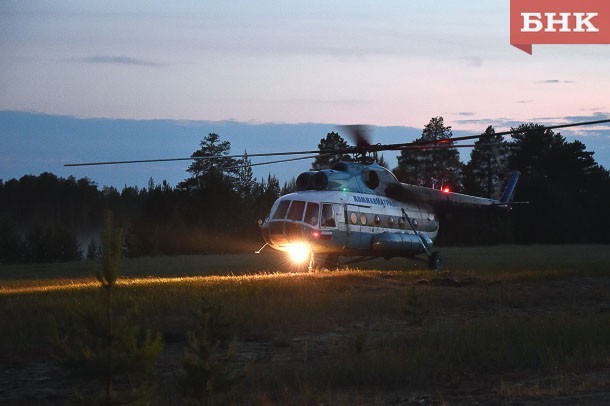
(509, 132)
(361, 139)
(276, 162)
(441, 146)
(139, 161)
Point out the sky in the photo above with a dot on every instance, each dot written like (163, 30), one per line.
(387, 64)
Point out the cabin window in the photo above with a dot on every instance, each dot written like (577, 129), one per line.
(296, 210)
(363, 219)
(377, 219)
(391, 222)
(328, 215)
(401, 222)
(281, 210)
(312, 212)
(353, 218)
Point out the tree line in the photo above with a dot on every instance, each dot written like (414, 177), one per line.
(46, 218)
(565, 192)
(214, 210)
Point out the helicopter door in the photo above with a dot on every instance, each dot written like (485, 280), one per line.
(328, 216)
(352, 226)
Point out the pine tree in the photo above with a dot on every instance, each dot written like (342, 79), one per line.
(569, 193)
(290, 186)
(219, 168)
(431, 167)
(332, 141)
(245, 179)
(266, 194)
(209, 361)
(101, 344)
(487, 169)
(382, 162)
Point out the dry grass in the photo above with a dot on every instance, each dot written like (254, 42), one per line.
(326, 336)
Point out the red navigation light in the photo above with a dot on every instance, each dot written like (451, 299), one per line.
(315, 234)
(445, 189)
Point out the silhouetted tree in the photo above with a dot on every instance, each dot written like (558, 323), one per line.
(487, 169)
(290, 186)
(102, 342)
(245, 181)
(382, 162)
(569, 193)
(12, 247)
(93, 251)
(220, 167)
(332, 141)
(431, 167)
(266, 194)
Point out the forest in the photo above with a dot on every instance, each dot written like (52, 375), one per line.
(563, 197)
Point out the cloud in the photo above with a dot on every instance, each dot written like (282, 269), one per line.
(118, 60)
(554, 81)
(597, 115)
(484, 122)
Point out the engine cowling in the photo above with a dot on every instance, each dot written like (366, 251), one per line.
(312, 180)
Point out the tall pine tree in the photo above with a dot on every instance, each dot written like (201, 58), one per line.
(431, 167)
(332, 141)
(220, 168)
(245, 181)
(569, 193)
(486, 171)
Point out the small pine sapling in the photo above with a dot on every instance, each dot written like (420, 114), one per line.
(101, 345)
(209, 361)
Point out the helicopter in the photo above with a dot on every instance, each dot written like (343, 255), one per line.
(361, 210)
(358, 209)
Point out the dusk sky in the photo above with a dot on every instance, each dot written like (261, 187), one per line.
(390, 63)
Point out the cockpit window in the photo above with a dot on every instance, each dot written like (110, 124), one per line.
(312, 213)
(281, 210)
(328, 215)
(296, 210)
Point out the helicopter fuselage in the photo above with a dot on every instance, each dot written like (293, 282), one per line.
(346, 212)
(348, 224)
(362, 210)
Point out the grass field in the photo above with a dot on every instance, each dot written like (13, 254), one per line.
(500, 324)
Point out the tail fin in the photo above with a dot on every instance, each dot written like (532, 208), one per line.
(509, 191)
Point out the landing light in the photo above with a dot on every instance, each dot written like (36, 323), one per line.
(299, 252)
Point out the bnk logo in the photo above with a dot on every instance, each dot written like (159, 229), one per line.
(559, 22)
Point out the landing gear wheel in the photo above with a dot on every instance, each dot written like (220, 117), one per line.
(331, 262)
(435, 262)
(328, 262)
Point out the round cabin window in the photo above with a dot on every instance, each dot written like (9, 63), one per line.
(363, 219)
(391, 222)
(401, 222)
(353, 218)
(377, 220)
